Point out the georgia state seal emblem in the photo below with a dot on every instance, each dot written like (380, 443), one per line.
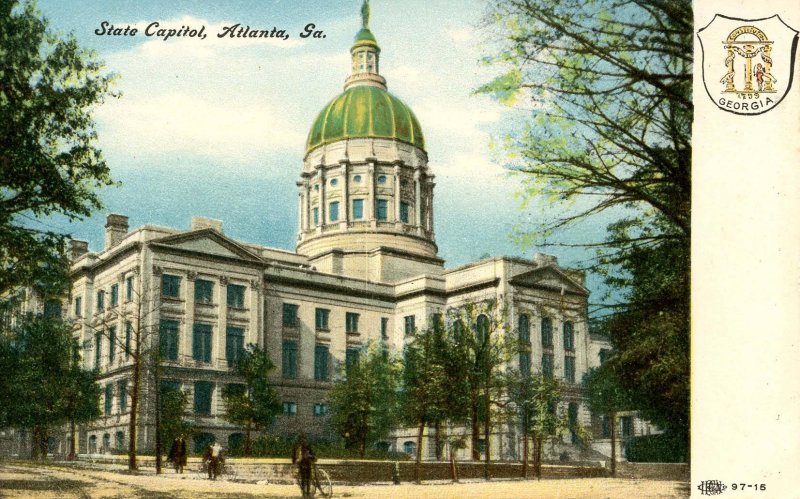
(747, 63)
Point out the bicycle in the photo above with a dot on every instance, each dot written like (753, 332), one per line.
(320, 480)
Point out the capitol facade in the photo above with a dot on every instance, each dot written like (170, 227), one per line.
(365, 270)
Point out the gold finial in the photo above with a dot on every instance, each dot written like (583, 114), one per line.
(365, 14)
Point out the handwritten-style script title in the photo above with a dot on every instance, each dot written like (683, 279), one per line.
(157, 30)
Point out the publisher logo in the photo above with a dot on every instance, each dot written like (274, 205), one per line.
(747, 63)
(711, 487)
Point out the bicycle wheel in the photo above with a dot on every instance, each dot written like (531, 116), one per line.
(323, 483)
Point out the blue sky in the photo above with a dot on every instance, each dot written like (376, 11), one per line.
(217, 127)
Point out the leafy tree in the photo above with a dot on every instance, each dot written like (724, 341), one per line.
(536, 397)
(49, 160)
(363, 402)
(254, 404)
(606, 396)
(482, 348)
(173, 403)
(604, 90)
(41, 377)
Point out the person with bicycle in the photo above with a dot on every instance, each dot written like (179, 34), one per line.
(213, 455)
(303, 456)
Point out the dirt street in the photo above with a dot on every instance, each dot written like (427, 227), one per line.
(21, 480)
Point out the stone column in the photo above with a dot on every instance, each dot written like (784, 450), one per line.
(323, 207)
(185, 341)
(371, 197)
(345, 194)
(301, 223)
(418, 200)
(397, 193)
(251, 335)
(429, 196)
(307, 207)
(222, 325)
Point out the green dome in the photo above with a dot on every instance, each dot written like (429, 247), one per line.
(365, 111)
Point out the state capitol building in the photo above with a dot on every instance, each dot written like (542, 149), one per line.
(365, 270)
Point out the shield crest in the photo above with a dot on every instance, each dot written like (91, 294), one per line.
(747, 63)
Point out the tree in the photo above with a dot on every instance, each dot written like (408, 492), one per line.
(482, 348)
(604, 90)
(536, 397)
(43, 380)
(606, 396)
(255, 404)
(49, 160)
(363, 400)
(172, 407)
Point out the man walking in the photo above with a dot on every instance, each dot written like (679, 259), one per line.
(303, 456)
(177, 454)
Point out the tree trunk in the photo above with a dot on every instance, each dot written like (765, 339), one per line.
(476, 432)
(438, 440)
(134, 409)
(613, 416)
(247, 442)
(35, 444)
(453, 469)
(487, 426)
(418, 463)
(158, 421)
(538, 459)
(73, 454)
(525, 450)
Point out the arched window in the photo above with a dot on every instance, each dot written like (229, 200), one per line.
(524, 327)
(569, 336)
(410, 447)
(482, 329)
(106, 442)
(547, 332)
(93, 444)
(201, 441)
(236, 443)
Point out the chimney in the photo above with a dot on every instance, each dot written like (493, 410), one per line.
(77, 248)
(116, 229)
(199, 223)
(541, 260)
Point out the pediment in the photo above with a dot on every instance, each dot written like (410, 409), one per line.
(550, 278)
(207, 242)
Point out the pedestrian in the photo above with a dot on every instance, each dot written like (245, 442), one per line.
(303, 456)
(177, 454)
(213, 456)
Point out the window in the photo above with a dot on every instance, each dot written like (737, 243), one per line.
(321, 319)
(101, 300)
(604, 354)
(357, 179)
(382, 209)
(122, 387)
(235, 296)
(316, 216)
(289, 408)
(109, 398)
(410, 447)
(626, 426)
(547, 365)
(52, 309)
(437, 321)
(482, 329)
(106, 442)
(351, 323)
(112, 343)
(168, 339)
(605, 427)
(93, 444)
(321, 362)
(524, 328)
(384, 328)
(201, 342)
(547, 332)
(203, 291)
(170, 286)
(320, 409)
(119, 440)
(351, 357)
(114, 295)
(569, 336)
(78, 306)
(129, 288)
(381, 179)
(289, 359)
(569, 369)
(234, 345)
(333, 211)
(404, 212)
(334, 182)
(290, 315)
(202, 397)
(358, 209)
(409, 324)
(128, 332)
(525, 363)
(98, 349)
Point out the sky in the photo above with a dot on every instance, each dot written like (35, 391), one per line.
(216, 127)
